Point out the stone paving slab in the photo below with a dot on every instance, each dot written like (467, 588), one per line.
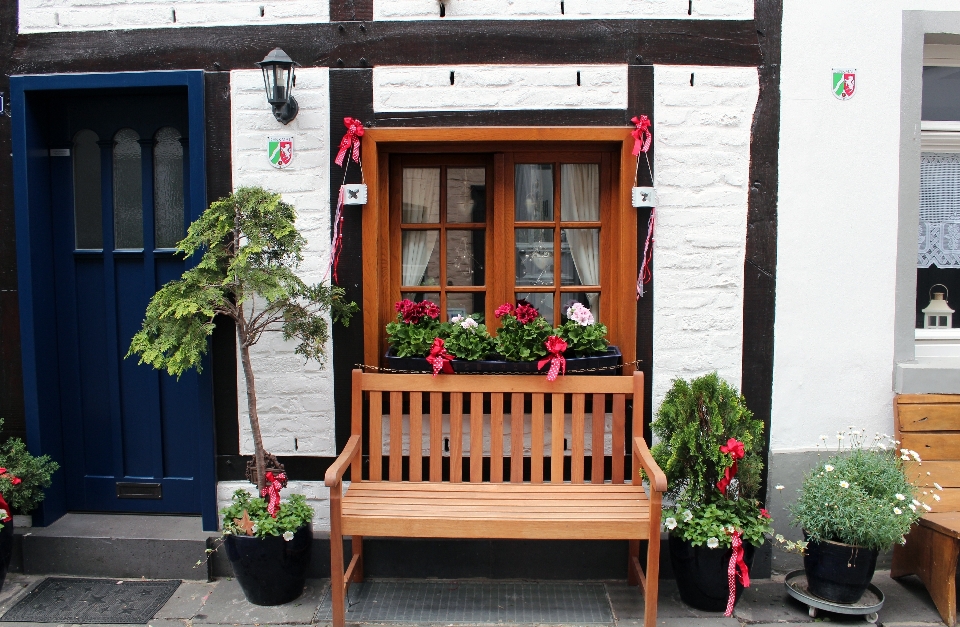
(226, 605)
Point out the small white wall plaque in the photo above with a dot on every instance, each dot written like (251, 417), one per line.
(280, 151)
(355, 194)
(644, 197)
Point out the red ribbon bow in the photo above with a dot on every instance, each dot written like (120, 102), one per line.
(272, 491)
(352, 138)
(6, 508)
(439, 358)
(735, 449)
(555, 346)
(736, 568)
(642, 135)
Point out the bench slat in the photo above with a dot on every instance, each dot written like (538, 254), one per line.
(566, 384)
(618, 450)
(516, 437)
(416, 436)
(564, 529)
(932, 446)
(396, 436)
(536, 444)
(929, 417)
(946, 473)
(496, 437)
(376, 437)
(476, 437)
(576, 428)
(496, 488)
(456, 437)
(436, 436)
(556, 440)
(599, 416)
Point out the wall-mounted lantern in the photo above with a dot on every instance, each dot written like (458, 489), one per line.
(278, 81)
(938, 315)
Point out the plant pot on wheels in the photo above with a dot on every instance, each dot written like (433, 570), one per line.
(270, 570)
(838, 572)
(701, 573)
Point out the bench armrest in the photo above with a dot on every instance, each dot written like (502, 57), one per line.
(658, 480)
(335, 471)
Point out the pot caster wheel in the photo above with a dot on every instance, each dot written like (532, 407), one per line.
(871, 618)
(812, 611)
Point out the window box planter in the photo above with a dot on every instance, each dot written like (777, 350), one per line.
(612, 359)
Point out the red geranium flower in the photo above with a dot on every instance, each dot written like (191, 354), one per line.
(430, 309)
(526, 313)
(764, 513)
(503, 310)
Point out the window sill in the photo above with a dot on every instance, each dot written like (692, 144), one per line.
(936, 369)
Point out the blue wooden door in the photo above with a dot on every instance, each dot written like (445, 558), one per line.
(119, 175)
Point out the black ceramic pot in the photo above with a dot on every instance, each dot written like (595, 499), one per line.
(701, 574)
(6, 549)
(271, 571)
(838, 572)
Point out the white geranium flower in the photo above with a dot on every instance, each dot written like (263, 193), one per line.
(897, 511)
(3, 514)
(254, 528)
(712, 543)
(828, 468)
(687, 516)
(456, 319)
(469, 323)
(288, 535)
(900, 497)
(844, 484)
(670, 523)
(779, 538)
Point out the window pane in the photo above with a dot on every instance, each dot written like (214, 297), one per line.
(466, 195)
(421, 258)
(941, 93)
(580, 257)
(580, 192)
(419, 297)
(87, 210)
(168, 188)
(590, 300)
(534, 256)
(421, 195)
(533, 192)
(465, 255)
(543, 301)
(465, 304)
(127, 191)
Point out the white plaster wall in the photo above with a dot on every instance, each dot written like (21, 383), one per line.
(295, 398)
(702, 157)
(572, 9)
(81, 15)
(838, 204)
(428, 88)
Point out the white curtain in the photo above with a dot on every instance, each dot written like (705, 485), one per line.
(580, 201)
(421, 204)
(938, 240)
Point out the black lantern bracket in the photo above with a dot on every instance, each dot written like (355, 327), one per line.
(279, 79)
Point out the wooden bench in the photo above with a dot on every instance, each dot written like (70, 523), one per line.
(419, 489)
(930, 425)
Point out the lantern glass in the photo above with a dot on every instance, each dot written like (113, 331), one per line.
(278, 72)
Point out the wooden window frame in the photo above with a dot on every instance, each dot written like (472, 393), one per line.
(619, 310)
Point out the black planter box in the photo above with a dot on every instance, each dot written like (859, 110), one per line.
(610, 361)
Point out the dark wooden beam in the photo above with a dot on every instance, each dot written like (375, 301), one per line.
(365, 44)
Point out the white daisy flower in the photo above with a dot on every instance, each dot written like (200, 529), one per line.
(712, 543)
(670, 523)
(897, 511)
(916, 502)
(915, 455)
(288, 535)
(905, 457)
(936, 485)
(828, 468)
(927, 507)
(912, 507)
(844, 484)
(900, 497)
(823, 437)
(904, 451)
(936, 496)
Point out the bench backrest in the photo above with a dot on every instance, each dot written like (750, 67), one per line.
(930, 425)
(424, 418)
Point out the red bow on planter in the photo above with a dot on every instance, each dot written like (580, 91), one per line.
(352, 138)
(734, 448)
(272, 491)
(6, 509)
(736, 568)
(439, 358)
(641, 135)
(555, 346)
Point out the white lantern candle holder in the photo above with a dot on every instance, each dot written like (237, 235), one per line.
(938, 315)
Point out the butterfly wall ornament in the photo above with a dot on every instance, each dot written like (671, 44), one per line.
(355, 194)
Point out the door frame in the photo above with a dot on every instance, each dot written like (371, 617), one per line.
(35, 268)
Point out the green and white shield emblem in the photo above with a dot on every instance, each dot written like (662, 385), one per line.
(844, 84)
(280, 151)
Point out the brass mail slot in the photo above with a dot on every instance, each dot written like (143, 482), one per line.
(134, 490)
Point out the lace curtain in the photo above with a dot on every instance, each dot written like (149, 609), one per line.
(938, 239)
(421, 204)
(580, 201)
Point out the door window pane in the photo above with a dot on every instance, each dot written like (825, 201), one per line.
(580, 250)
(421, 195)
(533, 192)
(534, 256)
(168, 188)
(465, 255)
(465, 304)
(466, 195)
(580, 192)
(87, 208)
(543, 301)
(127, 190)
(421, 258)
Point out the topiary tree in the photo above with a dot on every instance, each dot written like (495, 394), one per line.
(250, 249)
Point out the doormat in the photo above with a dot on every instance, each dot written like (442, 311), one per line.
(452, 602)
(79, 601)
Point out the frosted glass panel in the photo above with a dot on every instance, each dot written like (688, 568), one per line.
(127, 191)
(87, 210)
(168, 188)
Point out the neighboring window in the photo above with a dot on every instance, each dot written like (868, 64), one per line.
(87, 209)
(167, 188)
(127, 191)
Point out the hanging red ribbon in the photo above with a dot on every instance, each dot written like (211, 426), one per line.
(736, 568)
(641, 135)
(337, 244)
(555, 346)
(272, 491)
(646, 274)
(733, 448)
(5, 508)
(439, 358)
(352, 138)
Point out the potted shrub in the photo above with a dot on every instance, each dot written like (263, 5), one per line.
(852, 506)
(249, 249)
(709, 447)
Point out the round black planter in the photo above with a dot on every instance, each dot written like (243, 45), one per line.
(610, 361)
(838, 572)
(271, 571)
(701, 574)
(6, 549)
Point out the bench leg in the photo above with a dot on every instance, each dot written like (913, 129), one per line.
(357, 542)
(652, 581)
(633, 553)
(932, 556)
(337, 587)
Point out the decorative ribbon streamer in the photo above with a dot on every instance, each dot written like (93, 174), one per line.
(641, 135)
(736, 567)
(337, 240)
(352, 138)
(733, 448)
(439, 358)
(555, 346)
(646, 274)
(272, 491)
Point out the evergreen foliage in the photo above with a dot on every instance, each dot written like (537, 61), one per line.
(34, 474)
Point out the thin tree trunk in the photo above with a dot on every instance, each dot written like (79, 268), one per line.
(252, 408)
